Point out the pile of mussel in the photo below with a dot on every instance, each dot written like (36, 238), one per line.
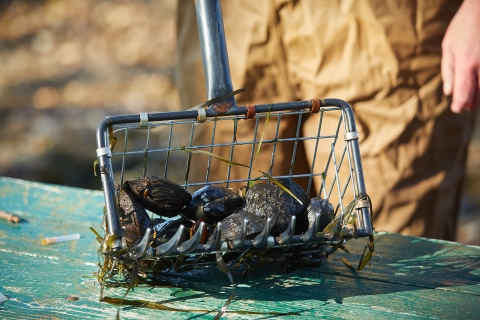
(212, 204)
(266, 210)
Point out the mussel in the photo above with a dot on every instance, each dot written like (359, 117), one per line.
(232, 224)
(271, 201)
(213, 204)
(133, 217)
(324, 208)
(264, 201)
(160, 196)
(164, 229)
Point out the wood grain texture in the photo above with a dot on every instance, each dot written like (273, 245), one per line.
(409, 278)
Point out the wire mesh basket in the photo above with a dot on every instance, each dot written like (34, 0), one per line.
(168, 151)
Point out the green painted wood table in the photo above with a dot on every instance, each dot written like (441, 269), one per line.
(409, 278)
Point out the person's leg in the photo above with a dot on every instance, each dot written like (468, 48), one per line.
(385, 62)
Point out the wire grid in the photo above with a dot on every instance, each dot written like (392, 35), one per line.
(169, 149)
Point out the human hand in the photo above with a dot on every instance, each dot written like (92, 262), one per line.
(461, 58)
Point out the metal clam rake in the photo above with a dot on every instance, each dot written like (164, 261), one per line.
(169, 151)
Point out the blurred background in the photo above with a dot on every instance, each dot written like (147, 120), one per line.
(65, 65)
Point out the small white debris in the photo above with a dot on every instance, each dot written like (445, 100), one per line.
(3, 299)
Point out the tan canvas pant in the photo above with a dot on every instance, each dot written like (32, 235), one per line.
(383, 58)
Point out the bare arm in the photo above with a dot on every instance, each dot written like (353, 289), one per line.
(461, 58)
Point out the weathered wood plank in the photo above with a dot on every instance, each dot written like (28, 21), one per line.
(49, 210)
(411, 277)
(421, 262)
(42, 289)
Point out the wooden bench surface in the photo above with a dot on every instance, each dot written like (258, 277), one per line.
(409, 278)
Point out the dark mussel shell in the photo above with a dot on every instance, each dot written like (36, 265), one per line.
(270, 201)
(159, 195)
(133, 217)
(324, 208)
(213, 204)
(163, 230)
(232, 224)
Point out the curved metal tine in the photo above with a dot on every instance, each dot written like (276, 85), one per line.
(238, 241)
(171, 246)
(138, 250)
(287, 235)
(312, 232)
(215, 242)
(262, 239)
(192, 244)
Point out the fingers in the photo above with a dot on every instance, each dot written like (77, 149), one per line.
(461, 80)
(461, 58)
(465, 83)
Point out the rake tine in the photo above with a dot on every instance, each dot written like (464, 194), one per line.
(192, 244)
(261, 240)
(171, 246)
(215, 242)
(312, 232)
(139, 249)
(238, 241)
(287, 235)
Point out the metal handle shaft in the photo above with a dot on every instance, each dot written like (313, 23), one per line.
(214, 50)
